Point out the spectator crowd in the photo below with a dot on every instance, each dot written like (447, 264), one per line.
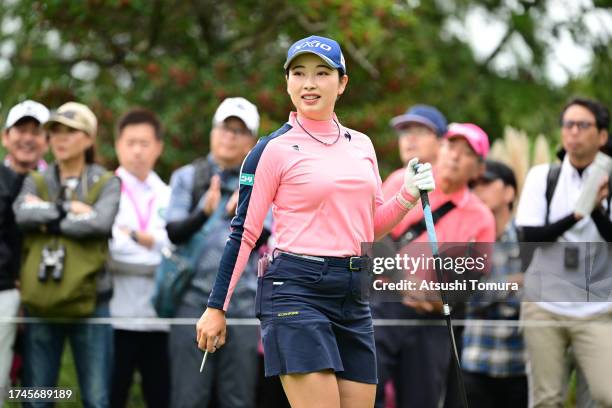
(78, 240)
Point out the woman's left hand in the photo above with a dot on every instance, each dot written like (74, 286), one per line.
(418, 179)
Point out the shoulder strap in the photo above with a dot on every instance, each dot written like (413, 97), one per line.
(41, 185)
(552, 179)
(418, 228)
(201, 180)
(609, 193)
(94, 191)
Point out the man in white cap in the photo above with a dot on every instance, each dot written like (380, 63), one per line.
(25, 141)
(203, 202)
(24, 138)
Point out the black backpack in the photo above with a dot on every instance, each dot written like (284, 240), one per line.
(201, 180)
(552, 179)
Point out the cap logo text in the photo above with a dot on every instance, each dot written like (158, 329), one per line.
(313, 44)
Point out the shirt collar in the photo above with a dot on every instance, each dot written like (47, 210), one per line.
(570, 169)
(459, 197)
(128, 178)
(40, 166)
(509, 234)
(315, 125)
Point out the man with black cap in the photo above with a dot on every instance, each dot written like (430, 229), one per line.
(493, 357)
(419, 132)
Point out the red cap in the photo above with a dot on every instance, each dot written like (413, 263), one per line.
(475, 136)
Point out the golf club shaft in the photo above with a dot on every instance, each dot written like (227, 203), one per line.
(433, 240)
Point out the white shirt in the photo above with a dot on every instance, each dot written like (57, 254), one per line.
(141, 208)
(531, 212)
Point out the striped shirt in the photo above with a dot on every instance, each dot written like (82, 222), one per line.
(497, 351)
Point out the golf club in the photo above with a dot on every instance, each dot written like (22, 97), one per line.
(433, 241)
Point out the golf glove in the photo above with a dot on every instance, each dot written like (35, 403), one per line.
(419, 179)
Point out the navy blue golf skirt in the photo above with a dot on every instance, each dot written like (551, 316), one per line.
(313, 317)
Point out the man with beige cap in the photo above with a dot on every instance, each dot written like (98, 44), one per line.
(76, 210)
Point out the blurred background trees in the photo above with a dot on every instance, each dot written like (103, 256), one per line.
(180, 58)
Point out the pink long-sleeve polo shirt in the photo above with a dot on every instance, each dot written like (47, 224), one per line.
(326, 198)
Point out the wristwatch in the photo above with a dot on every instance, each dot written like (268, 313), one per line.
(134, 235)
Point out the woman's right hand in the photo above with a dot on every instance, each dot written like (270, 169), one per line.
(211, 330)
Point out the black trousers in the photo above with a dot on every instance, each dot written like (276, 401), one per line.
(484, 391)
(452, 396)
(230, 377)
(270, 393)
(416, 358)
(146, 352)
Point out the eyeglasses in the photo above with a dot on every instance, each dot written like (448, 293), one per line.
(580, 124)
(236, 131)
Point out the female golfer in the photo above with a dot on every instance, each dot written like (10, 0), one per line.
(323, 183)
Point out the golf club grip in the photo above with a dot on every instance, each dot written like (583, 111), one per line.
(424, 199)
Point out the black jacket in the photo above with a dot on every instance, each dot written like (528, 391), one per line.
(10, 236)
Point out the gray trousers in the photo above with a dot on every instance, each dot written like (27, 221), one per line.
(230, 372)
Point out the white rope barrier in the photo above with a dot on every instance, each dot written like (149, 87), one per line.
(255, 322)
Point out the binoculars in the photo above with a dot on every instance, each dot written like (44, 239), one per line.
(51, 263)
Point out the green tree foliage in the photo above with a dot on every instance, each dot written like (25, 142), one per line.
(181, 58)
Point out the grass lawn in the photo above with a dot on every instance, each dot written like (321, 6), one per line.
(68, 379)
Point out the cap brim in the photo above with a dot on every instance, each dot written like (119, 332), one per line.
(10, 125)
(66, 122)
(490, 176)
(323, 57)
(223, 118)
(412, 118)
(470, 142)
